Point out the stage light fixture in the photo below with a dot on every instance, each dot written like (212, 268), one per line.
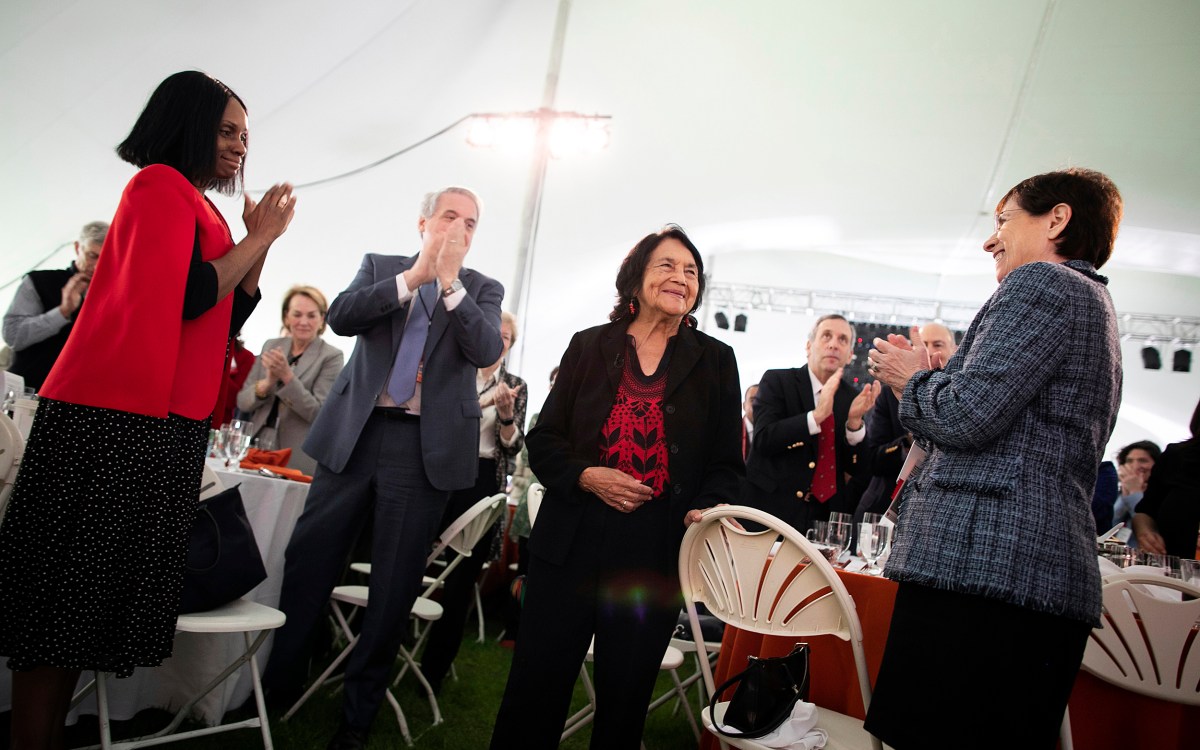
(1182, 361)
(722, 320)
(739, 322)
(1151, 359)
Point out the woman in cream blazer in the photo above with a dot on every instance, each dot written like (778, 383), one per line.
(292, 378)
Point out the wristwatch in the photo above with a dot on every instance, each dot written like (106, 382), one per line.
(455, 286)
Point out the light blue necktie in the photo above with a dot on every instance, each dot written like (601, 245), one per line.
(403, 382)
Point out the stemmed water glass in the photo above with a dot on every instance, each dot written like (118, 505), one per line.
(235, 442)
(838, 537)
(873, 540)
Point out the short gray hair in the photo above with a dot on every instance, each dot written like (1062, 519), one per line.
(833, 316)
(93, 233)
(431, 200)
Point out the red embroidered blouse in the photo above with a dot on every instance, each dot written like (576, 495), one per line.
(633, 438)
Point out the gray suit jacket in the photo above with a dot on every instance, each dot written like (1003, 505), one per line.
(299, 400)
(1016, 425)
(459, 343)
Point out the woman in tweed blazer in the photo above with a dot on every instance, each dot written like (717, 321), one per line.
(995, 548)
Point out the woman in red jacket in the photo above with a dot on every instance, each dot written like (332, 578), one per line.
(92, 550)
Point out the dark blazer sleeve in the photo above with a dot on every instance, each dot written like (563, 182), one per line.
(365, 303)
(781, 413)
(554, 460)
(887, 441)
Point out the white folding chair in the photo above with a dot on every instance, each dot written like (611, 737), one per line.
(1146, 639)
(241, 616)
(671, 661)
(12, 447)
(772, 582)
(461, 536)
(533, 501)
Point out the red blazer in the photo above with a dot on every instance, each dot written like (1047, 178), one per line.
(131, 349)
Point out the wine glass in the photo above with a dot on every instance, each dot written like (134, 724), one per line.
(838, 537)
(231, 441)
(237, 447)
(816, 534)
(873, 540)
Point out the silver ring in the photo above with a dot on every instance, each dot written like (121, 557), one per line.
(624, 503)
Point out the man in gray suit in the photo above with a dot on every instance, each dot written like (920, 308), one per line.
(398, 433)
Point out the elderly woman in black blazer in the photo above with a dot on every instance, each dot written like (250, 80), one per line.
(641, 427)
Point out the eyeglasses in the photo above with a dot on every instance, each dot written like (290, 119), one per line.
(1001, 218)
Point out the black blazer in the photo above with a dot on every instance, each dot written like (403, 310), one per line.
(701, 411)
(784, 457)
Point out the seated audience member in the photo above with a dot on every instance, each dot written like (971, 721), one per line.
(502, 399)
(241, 360)
(45, 306)
(1168, 517)
(1134, 464)
(292, 378)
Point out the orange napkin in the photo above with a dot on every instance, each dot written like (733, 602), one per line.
(268, 458)
(280, 471)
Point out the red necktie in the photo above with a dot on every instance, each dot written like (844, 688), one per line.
(824, 483)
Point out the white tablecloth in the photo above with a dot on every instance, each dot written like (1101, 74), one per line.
(272, 506)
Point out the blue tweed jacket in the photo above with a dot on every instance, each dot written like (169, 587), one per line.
(1016, 425)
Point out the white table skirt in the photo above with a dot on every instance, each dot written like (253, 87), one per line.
(272, 506)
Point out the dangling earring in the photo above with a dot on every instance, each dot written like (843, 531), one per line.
(689, 321)
(633, 307)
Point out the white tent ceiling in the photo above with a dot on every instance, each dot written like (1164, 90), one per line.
(857, 145)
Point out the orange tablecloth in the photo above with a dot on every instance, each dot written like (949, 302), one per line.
(1103, 716)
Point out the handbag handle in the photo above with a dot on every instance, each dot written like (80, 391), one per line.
(216, 535)
(775, 721)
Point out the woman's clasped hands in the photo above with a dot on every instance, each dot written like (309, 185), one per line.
(615, 488)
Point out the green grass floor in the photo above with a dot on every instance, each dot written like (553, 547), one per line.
(468, 706)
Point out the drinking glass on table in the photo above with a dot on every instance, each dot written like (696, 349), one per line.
(838, 536)
(817, 534)
(873, 539)
(1189, 571)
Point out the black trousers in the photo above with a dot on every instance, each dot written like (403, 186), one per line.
(619, 583)
(385, 478)
(446, 633)
(961, 670)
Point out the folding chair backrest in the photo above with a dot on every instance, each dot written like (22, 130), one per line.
(773, 582)
(533, 501)
(1146, 641)
(12, 446)
(466, 531)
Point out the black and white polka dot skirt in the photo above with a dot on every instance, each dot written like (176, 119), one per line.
(92, 548)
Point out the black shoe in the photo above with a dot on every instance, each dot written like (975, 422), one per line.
(348, 738)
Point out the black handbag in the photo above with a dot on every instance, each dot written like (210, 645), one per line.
(223, 561)
(767, 690)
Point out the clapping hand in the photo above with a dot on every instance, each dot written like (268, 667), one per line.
(270, 216)
(505, 399)
(277, 367)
